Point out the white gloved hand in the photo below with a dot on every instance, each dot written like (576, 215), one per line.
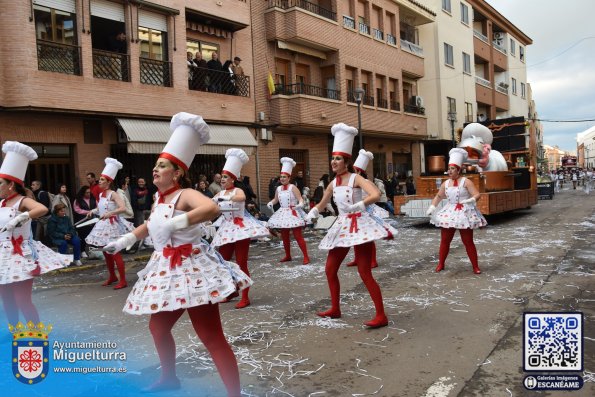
(299, 206)
(469, 201)
(92, 213)
(270, 205)
(176, 223)
(357, 207)
(15, 222)
(116, 246)
(431, 210)
(312, 214)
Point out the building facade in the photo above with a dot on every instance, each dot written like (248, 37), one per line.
(585, 143)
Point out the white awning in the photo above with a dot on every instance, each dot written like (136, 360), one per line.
(300, 48)
(150, 136)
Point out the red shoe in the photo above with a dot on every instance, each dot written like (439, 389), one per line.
(330, 313)
(243, 303)
(439, 268)
(374, 264)
(377, 322)
(121, 284)
(109, 281)
(163, 385)
(286, 259)
(476, 270)
(306, 260)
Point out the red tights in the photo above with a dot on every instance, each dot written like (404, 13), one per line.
(446, 237)
(241, 251)
(119, 262)
(207, 324)
(333, 262)
(17, 297)
(374, 261)
(297, 233)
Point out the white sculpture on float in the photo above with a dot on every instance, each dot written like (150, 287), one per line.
(477, 140)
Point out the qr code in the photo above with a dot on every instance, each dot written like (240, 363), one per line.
(553, 341)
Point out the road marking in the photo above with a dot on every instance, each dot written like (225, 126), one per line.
(439, 388)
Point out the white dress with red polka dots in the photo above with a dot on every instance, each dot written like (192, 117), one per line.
(184, 271)
(351, 228)
(21, 257)
(287, 217)
(457, 215)
(235, 226)
(107, 230)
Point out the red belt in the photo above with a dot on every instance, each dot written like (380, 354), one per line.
(113, 219)
(353, 216)
(458, 207)
(176, 254)
(238, 221)
(16, 245)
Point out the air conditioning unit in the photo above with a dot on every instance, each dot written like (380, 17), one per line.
(266, 135)
(498, 35)
(503, 84)
(417, 101)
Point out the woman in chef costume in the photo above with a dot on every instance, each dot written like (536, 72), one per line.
(460, 213)
(290, 216)
(21, 257)
(111, 224)
(184, 273)
(354, 227)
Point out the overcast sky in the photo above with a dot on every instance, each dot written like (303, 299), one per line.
(560, 62)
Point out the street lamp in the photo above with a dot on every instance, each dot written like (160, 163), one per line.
(359, 96)
(452, 117)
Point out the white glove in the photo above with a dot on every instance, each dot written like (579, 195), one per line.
(176, 223)
(270, 205)
(469, 201)
(357, 207)
(116, 246)
(312, 214)
(300, 205)
(92, 213)
(431, 210)
(15, 222)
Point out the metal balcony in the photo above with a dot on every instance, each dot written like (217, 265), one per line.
(111, 65)
(305, 89)
(155, 72)
(219, 82)
(305, 5)
(59, 58)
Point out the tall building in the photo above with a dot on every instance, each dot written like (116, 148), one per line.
(585, 143)
(90, 79)
(554, 155)
(319, 54)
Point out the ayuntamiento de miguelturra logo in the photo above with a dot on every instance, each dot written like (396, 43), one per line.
(30, 351)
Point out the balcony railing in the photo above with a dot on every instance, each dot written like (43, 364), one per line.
(306, 89)
(220, 82)
(363, 28)
(482, 81)
(368, 100)
(155, 72)
(414, 109)
(348, 22)
(382, 103)
(501, 89)
(480, 36)
(59, 58)
(390, 39)
(411, 47)
(394, 105)
(499, 48)
(378, 34)
(305, 5)
(111, 65)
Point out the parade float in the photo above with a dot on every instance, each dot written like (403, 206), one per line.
(501, 162)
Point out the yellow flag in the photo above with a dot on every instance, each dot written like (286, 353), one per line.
(271, 84)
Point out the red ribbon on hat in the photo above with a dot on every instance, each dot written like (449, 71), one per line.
(16, 245)
(174, 159)
(353, 226)
(176, 254)
(238, 221)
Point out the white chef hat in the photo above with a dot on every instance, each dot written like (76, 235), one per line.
(189, 131)
(456, 157)
(479, 131)
(112, 166)
(344, 135)
(287, 165)
(362, 160)
(234, 160)
(14, 166)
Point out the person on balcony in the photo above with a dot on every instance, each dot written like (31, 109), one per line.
(214, 73)
(118, 43)
(199, 81)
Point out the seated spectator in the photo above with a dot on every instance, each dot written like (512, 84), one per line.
(62, 233)
(202, 187)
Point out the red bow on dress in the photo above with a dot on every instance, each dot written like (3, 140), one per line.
(293, 212)
(458, 207)
(177, 253)
(339, 180)
(16, 245)
(167, 192)
(238, 221)
(113, 219)
(455, 182)
(353, 216)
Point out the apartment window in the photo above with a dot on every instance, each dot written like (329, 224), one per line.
(302, 74)
(446, 6)
(464, 14)
(522, 53)
(448, 55)
(206, 49)
(466, 63)
(56, 25)
(513, 80)
(523, 90)
(468, 112)
(451, 104)
(512, 47)
(281, 73)
(153, 43)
